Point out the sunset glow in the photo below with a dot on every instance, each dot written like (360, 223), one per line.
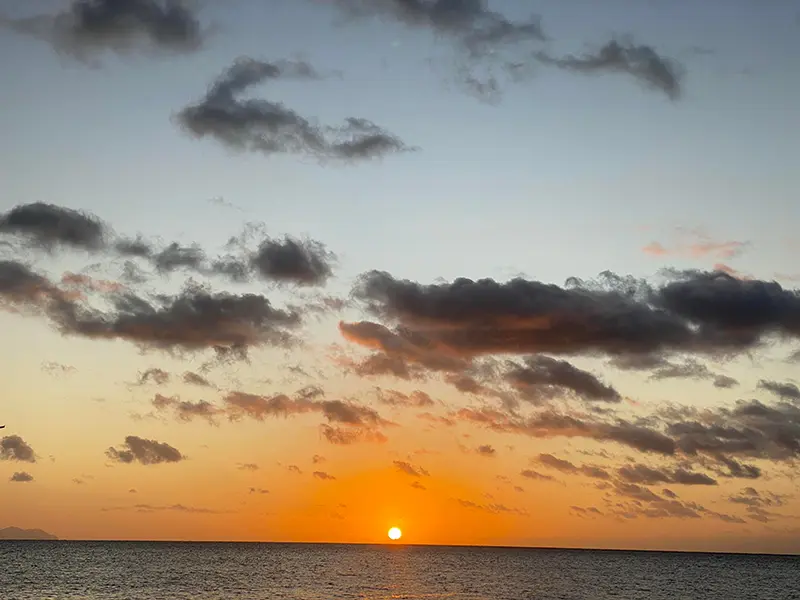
(395, 533)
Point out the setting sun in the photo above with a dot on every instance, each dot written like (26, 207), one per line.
(395, 533)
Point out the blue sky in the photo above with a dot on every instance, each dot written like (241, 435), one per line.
(564, 161)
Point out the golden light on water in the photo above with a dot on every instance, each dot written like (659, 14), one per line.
(395, 533)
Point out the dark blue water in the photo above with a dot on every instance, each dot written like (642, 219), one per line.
(198, 571)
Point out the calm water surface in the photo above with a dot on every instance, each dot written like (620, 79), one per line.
(197, 571)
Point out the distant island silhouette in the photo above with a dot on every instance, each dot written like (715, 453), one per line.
(15, 533)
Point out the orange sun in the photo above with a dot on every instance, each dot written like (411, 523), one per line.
(395, 533)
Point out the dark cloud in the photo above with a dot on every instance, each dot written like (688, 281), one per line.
(88, 27)
(303, 262)
(751, 429)
(565, 466)
(409, 469)
(193, 320)
(154, 375)
(416, 399)
(785, 390)
(708, 313)
(191, 378)
(641, 62)
(486, 450)
(21, 288)
(691, 369)
(645, 503)
(186, 410)
(545, 376)
(13, 447)
(146, 452)
(323, 475)
(725, 382)
(272, 128)
(21, 477)
(531, 474)
(47, 226)
(642, 474)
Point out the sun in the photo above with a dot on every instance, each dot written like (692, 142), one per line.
(395, 533)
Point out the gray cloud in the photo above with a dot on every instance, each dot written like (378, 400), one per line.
(13, 447)
(565, 466)
(88, 27)
(154, 375)
(642, 474)
(270, 127)
(531, 474)
(542, 376)
(709, 313)
(21, 477)
(146, 452)
(185, 410)
(323, 476)
(486, 450)
(47, 226)
(641, 62)
(409, 469)
(785, 390)
(304, 262)
(417, 398)
(192, 378)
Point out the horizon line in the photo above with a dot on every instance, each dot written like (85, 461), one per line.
(415, 545)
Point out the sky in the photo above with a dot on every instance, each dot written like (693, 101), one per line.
(505, 273)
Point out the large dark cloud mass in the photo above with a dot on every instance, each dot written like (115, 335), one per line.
(709, 313)
(305, 262)
(146, 452)
(88, 27)
(273, 128)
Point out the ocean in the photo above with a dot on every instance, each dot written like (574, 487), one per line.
(206, 571)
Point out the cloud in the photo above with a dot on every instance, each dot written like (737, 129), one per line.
(168, 508)
(13, 447)
(157, 376)
(418, 486)
(191, 378)
(708, 313)
(268, 127)
(531, 474)
(550, 424)
(304, 262)
(486, 450)
(641, 62)
(341, 436)
(323, 476)
(493, 508)
(646, 503)
(193, 320)
(565, 466)
(317, 459)
(186, 410)
(488, 44)
(88, 27)
(642, 474)
(785, 390)
(254, 490)
(700, 247)
(409, 469)
(247, 467)
(47, 227)
(21, 477)
(542, 376)
(416, 399)
(146, 452)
